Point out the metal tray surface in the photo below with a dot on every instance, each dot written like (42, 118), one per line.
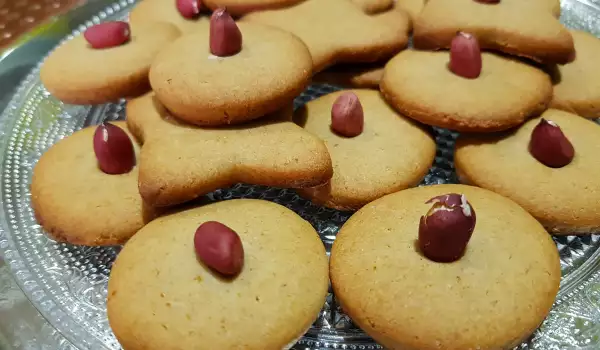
(68, 283)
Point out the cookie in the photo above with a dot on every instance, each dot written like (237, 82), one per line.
(76, 202)
(76, 73)
(576, 89)
(554, 6)
(391, 154)
(565, 200)
(352, 75)
(177, 302)
(419, 85)
(407, 301)
(241, 7)
(152, 11)
(352, 36)
(272, 68)
(180, 162)
(412, 7)
(374, 6)
(533, 31)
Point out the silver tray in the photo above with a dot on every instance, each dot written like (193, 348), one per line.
(67, 283)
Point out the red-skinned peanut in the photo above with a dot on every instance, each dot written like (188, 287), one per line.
(347, 115)
(550, 146)
(108, 34)
(220, 248)
(188, 8)
(114, 149)
(225, 36)
(446, 228)
(465, 56)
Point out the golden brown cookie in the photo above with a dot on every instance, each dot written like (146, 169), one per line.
(152, 11)
(352, 75)
(374, 6)
(181, 162)
(78, 74)
(419, 85)
(272, 68)
(412, 7)
(391, 154)
(176, 302)
(577, 88)
(352, 35)
(242, 7)
(565, 200)
(554, 6)
(533, 31)
(76, 202)
(406, 301)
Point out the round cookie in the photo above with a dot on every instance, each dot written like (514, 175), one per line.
(494, 297)
(392, 153)
(565, 200)
(419, 85)
(78, 74)
(577, 89)
(75, 202)
(152, 11)
(374, 6)
(272, 68)
(352, 75)
(176, 302)
(242, 7)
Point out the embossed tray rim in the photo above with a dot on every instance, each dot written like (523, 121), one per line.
(578, 280)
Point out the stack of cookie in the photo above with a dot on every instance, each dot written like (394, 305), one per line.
(220, 108)
(210, 104)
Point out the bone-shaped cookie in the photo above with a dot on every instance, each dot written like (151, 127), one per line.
(147, 11)
(524, 28)
(180, 162)
(339, 31)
